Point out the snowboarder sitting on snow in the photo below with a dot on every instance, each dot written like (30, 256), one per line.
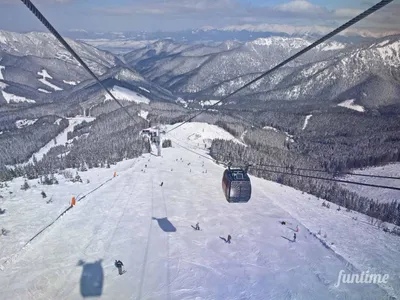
(283, 222)
(119, 265)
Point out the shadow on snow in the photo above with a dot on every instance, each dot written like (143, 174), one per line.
(165, 224)
(92, 278)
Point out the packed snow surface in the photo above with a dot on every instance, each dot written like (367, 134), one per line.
(350, 105)
(124, 94)
(148, 227)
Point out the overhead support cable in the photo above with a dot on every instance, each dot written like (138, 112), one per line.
(48, 25)
(338, 30)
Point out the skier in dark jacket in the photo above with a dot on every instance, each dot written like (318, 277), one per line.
(197, 226)
(229, 239)
(294, 237)
(119, 265)
(162, 183)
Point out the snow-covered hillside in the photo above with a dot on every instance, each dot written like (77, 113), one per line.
(125, 94)
(380, 195)
(131, 217)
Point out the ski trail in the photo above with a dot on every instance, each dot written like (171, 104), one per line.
(155, 279)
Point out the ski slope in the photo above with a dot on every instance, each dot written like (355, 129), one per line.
(61, 138)
(148, 227)
(122, 93)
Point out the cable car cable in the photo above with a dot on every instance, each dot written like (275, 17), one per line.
(328, 179)
(47, 24)
(335, 173)
(348, 24)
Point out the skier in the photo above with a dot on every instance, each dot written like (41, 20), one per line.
(197, 226)
(145, 166)
(229, 239)
(283, 223)
(119, 265)
(162, 183)
(294, 237)
(297, 228)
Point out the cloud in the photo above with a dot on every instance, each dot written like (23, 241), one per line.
(161, 7)
(347, 12)
(300, 6)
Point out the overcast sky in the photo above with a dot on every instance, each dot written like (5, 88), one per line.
(172, 15)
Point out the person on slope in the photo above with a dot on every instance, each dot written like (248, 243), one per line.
(162, 183)
(197, 226)
(294, 237)
(119, 265)
(229, 239)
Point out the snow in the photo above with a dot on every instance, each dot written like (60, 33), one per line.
(380, 195)
(306, 121)
(44, 91)
(198, 134)
(350, 105)
(143, 89)
(143, 114)
(71, 82)
(3, 85)
(61, 138)
(45, 75)
(125, 94)
(384, 43)
(23, 123)
(1, 73)
(11, 98)
(148, 228)
(209, 102)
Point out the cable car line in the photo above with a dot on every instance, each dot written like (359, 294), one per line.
(329, 179)
(48, 25)
(334, 174)
(348, 24)
(259, 167)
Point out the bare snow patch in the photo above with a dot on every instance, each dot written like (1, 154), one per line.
(44, 91)
(124, 94)
(45, 75)
(1, 74)
(143, 89)
(350, 105)
(3, 85)
(71, 82)
(209, 103)
(143, 114)
(306, 121)
(25, 122)
(11, 98)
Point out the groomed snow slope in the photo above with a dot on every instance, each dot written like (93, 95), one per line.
(198, 134)
(125, 94)
(148, 227)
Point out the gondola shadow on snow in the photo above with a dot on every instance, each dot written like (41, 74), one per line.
(92, 278)
(165, 224)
